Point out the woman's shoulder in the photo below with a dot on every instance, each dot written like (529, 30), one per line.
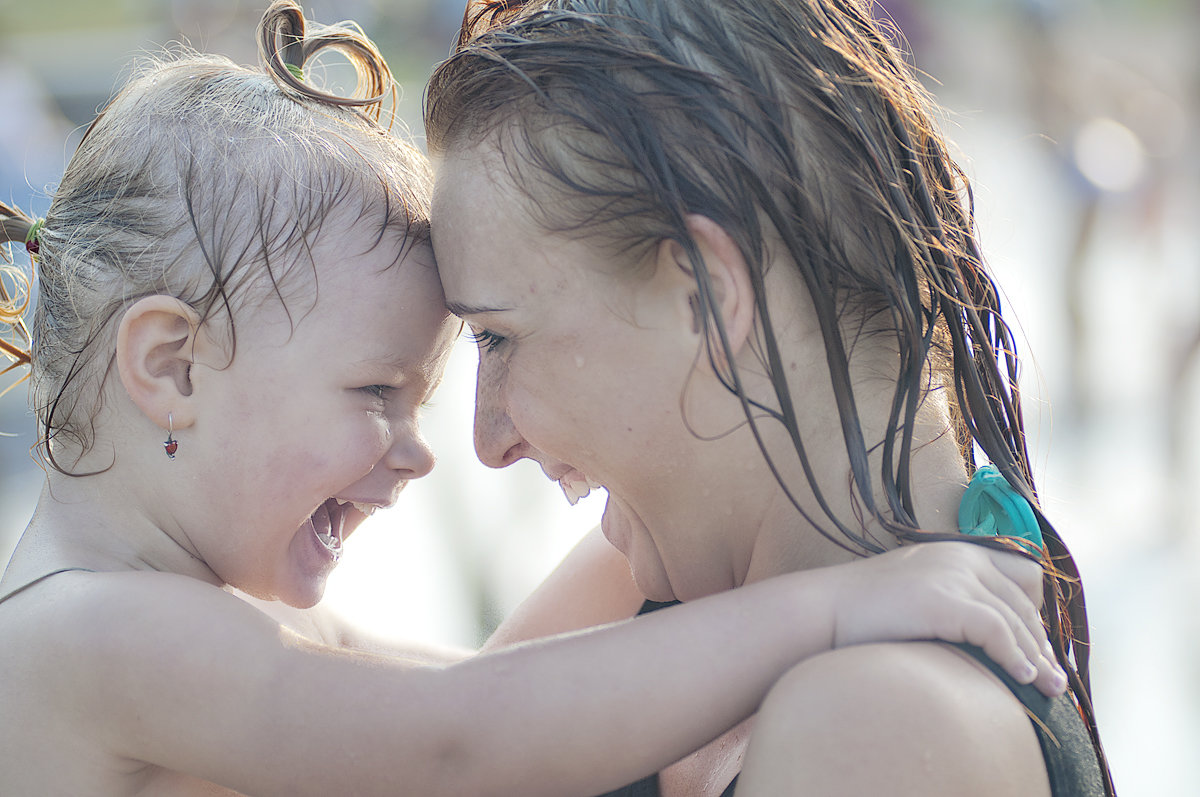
(895, 718)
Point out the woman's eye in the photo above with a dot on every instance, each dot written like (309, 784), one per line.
(488, 341)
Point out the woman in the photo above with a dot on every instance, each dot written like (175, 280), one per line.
(718, 261)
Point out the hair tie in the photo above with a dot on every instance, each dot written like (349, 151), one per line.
(991, 507)
(33, 238)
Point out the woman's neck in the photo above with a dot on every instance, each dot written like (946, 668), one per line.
(787, 542)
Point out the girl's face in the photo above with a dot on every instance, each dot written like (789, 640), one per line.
(315, 422)
(592, 372)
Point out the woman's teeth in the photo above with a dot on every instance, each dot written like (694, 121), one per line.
(577, 488)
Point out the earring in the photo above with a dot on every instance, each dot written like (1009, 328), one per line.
(170, 445)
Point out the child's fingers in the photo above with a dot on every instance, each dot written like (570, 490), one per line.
(1016, 585)
(1015, 596)
(999, 631)
(1020, 570)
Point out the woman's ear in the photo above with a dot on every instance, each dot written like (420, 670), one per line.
(155, 342)
(732, 293)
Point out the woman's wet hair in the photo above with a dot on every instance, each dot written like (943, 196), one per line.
(799, 128)
(210, 182)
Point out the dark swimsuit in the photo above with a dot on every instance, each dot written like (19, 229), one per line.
(40, 579)
(1071, 762)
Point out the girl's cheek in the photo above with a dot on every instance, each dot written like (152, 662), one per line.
(376, 437)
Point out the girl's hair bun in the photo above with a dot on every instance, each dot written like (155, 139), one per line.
(286, 42)
(15, 226)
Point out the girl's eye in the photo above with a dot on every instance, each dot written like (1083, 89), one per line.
(488, 341)
(377, 391)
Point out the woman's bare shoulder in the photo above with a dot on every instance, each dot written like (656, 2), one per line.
(896, 718)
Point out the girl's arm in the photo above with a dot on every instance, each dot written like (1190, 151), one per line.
(187, 677)
(319, 624)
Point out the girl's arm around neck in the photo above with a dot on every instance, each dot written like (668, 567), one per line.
(322, 624)
(172, 672)
(175, 673)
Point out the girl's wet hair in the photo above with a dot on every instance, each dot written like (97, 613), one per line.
(799, 128)
(210, 182)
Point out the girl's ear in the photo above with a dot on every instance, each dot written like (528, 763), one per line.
(732, 293)
(155, 343)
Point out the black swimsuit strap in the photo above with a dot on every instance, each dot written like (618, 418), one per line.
(42, 578)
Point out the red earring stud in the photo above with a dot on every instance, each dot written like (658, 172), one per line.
(170, 445)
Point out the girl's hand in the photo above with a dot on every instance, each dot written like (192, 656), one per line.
(956, 592)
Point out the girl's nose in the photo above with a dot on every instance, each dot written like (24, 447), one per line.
(410, 455)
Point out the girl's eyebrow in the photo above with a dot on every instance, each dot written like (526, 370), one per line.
(459, 309)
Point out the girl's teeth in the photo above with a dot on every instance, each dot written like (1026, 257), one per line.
(366, 509)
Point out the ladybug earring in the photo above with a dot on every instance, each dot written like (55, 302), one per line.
(170, 445)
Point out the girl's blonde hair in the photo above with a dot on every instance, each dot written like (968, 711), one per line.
(202, 179)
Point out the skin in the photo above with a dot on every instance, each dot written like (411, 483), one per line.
(149, 677)
(589, 370)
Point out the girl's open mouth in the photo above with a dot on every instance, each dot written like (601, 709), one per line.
(328, 523)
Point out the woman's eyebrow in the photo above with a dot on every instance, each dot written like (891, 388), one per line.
(460, 309)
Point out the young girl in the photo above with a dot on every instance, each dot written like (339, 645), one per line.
(237, 322)
(740, 215)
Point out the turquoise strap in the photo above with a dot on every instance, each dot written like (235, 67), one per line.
(991, 507)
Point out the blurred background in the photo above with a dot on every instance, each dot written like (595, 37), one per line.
(1077, 121)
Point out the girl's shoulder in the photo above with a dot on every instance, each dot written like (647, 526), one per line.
(86, 640)
(897, 718)
(94, 661)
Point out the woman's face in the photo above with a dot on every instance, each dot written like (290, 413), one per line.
(584, 367)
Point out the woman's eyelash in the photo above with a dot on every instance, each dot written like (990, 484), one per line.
(488, 341)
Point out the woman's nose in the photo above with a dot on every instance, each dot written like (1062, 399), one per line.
(497, 441)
